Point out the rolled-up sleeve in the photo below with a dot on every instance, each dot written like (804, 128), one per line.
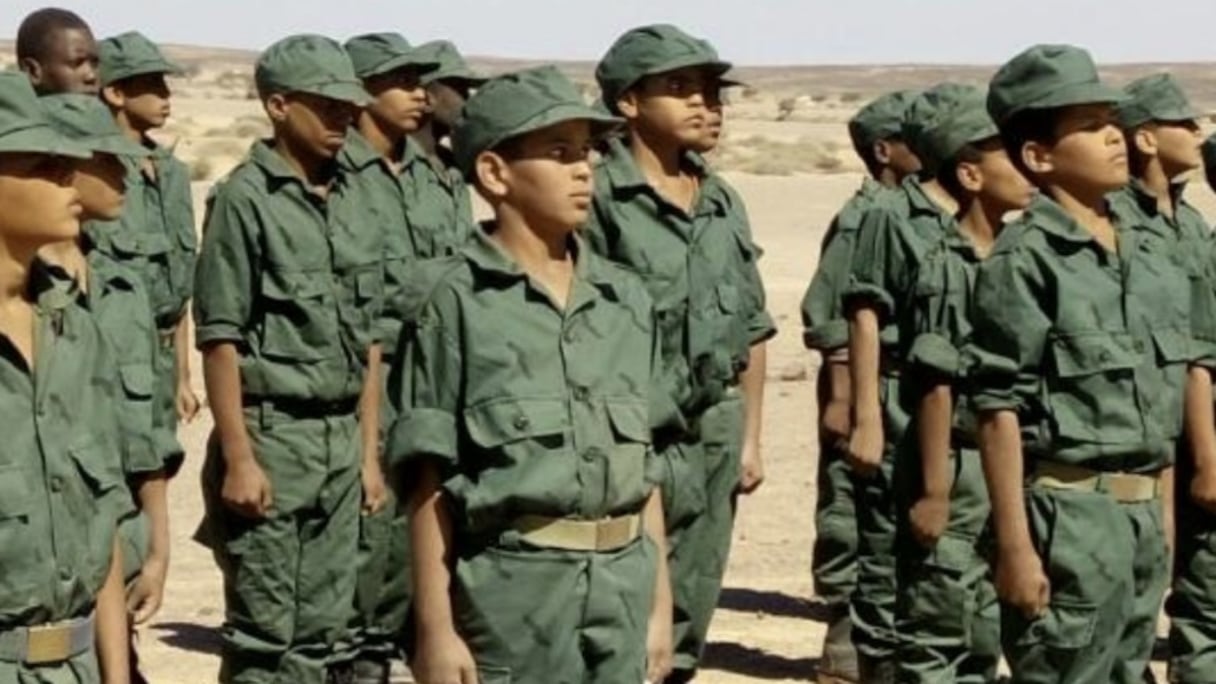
(224, 279)
(1011, 331)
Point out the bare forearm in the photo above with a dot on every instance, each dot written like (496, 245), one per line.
(1004, 472)
(182, 348)
(1200, 419)
(154, 502)
(863, 364)
(751, 382)
(221, 372)
(112, 634)
(933, 423)
(369, 405)
(655, 527)
(840, 385)
(431, 539)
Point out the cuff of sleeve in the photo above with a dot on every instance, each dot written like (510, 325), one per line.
(935, 352)
(216, 332)
(865, 293)
(422, 432)
(143, 456)
(170, 452)
(761, 328)
(827, 337)
(654, 472)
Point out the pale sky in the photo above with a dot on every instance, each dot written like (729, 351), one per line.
(745, 31)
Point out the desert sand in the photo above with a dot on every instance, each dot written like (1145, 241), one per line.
(787, 152)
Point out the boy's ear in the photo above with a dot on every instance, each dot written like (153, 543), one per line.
(113, 96)
(276, 107)
(1037, 157)
(627, 104)
(1145, 140)
(492, 174)
(33, 69)
(882, 152)
(970, 177)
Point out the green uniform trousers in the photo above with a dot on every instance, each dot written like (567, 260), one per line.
(834, 558)
(1192, 603)
(82, 669)
(872, 606)
(947, 614)
(1107, 565)
(164, 400)
(699, 505)
(559, 617)
(289, 581)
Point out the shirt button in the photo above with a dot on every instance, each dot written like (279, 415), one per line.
(570, 336)
(592, 454)
(65, 574)
(581, 393)
(522, 422)
(56, 484)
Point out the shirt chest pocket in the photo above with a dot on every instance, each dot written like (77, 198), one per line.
(299, 321)
(16, 532)
(1091, 393)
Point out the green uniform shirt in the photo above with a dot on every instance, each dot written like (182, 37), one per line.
(893, 238)
(437, 202)
(294, 280)
(700, 269)
(533, 410)
(155, 235)
(61, 479)
(1060, 332)
(824, 324)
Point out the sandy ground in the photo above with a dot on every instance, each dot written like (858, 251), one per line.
(768, 628)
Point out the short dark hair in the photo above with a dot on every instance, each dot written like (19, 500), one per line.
(37, 29)
(947, 172)
(866, 153)
(1030, 125)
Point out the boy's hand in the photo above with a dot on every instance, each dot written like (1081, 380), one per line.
(751, 473)
(246, 489)
(443, 658)
(837, 421)
(146, 594)
(660, 643)
(375, 492)
(187, 403)
(1203, 490)
(865, 447)
(928, 518)
(1021, 582)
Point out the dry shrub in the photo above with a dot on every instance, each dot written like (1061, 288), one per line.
(767, 157)
(201, 169)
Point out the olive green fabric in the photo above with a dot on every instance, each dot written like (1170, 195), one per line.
(649, 50)
(384, 585)
(61, 474)
(86, 119)
(513, 104)
(132, 54)
(295, 281)
(880, 119)
(1191, 605)
(82, 669)
(532, 409)
(23, 123)
(961, 123)
(700, 268)
(1078, 375)
(312, 64)
(438, 203)
(378, 53)
(1107, 565)
(894, 236)
(924, 115)
(1158, 97)
(288, 578)
(452, 66)
(1047, 77)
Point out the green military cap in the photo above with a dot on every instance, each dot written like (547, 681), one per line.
(1047, 77)
(312, 64)
(84, 118)
(452, 66)
(650, 50)
(513, 104)
(959, 124)
(378, 53)
(23, 124)
(1155, 98)
(924, 113)
(132, 54)
(880, 119)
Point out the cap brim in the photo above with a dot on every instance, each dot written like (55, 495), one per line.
(601, 122)
(166, 68)
(1083, 94)
(43, 140)
(462, 75)
(1179, 115)
(421, 62)
(352, 93)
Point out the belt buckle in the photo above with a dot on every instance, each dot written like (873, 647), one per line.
(48, 644)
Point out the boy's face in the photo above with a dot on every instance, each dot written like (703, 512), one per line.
(69, 65)
(446, 99)
(400, 101)
(714, 102)
(671, 105)
(1089, 153)
(144, 99)
(1178, 146)
(100, 182)
(895, 154)
(318, 124)
(547, 175)
(996, 180)
(41, 206)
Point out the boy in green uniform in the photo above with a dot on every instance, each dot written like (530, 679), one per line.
(439, 206)
(374, 161)
(120, 306)
(889, 245)
(946, 613)
(525, 402)
(288, 300)
(1079, 398)
(155, 235)
(661, 211)
(876, 134)
(62, 612)
(1163, 145)
(56, 49)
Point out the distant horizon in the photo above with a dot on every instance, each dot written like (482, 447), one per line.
(750, 33)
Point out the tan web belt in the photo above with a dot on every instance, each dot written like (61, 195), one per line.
(607, 534)
(1123, 487)
(49, 643)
